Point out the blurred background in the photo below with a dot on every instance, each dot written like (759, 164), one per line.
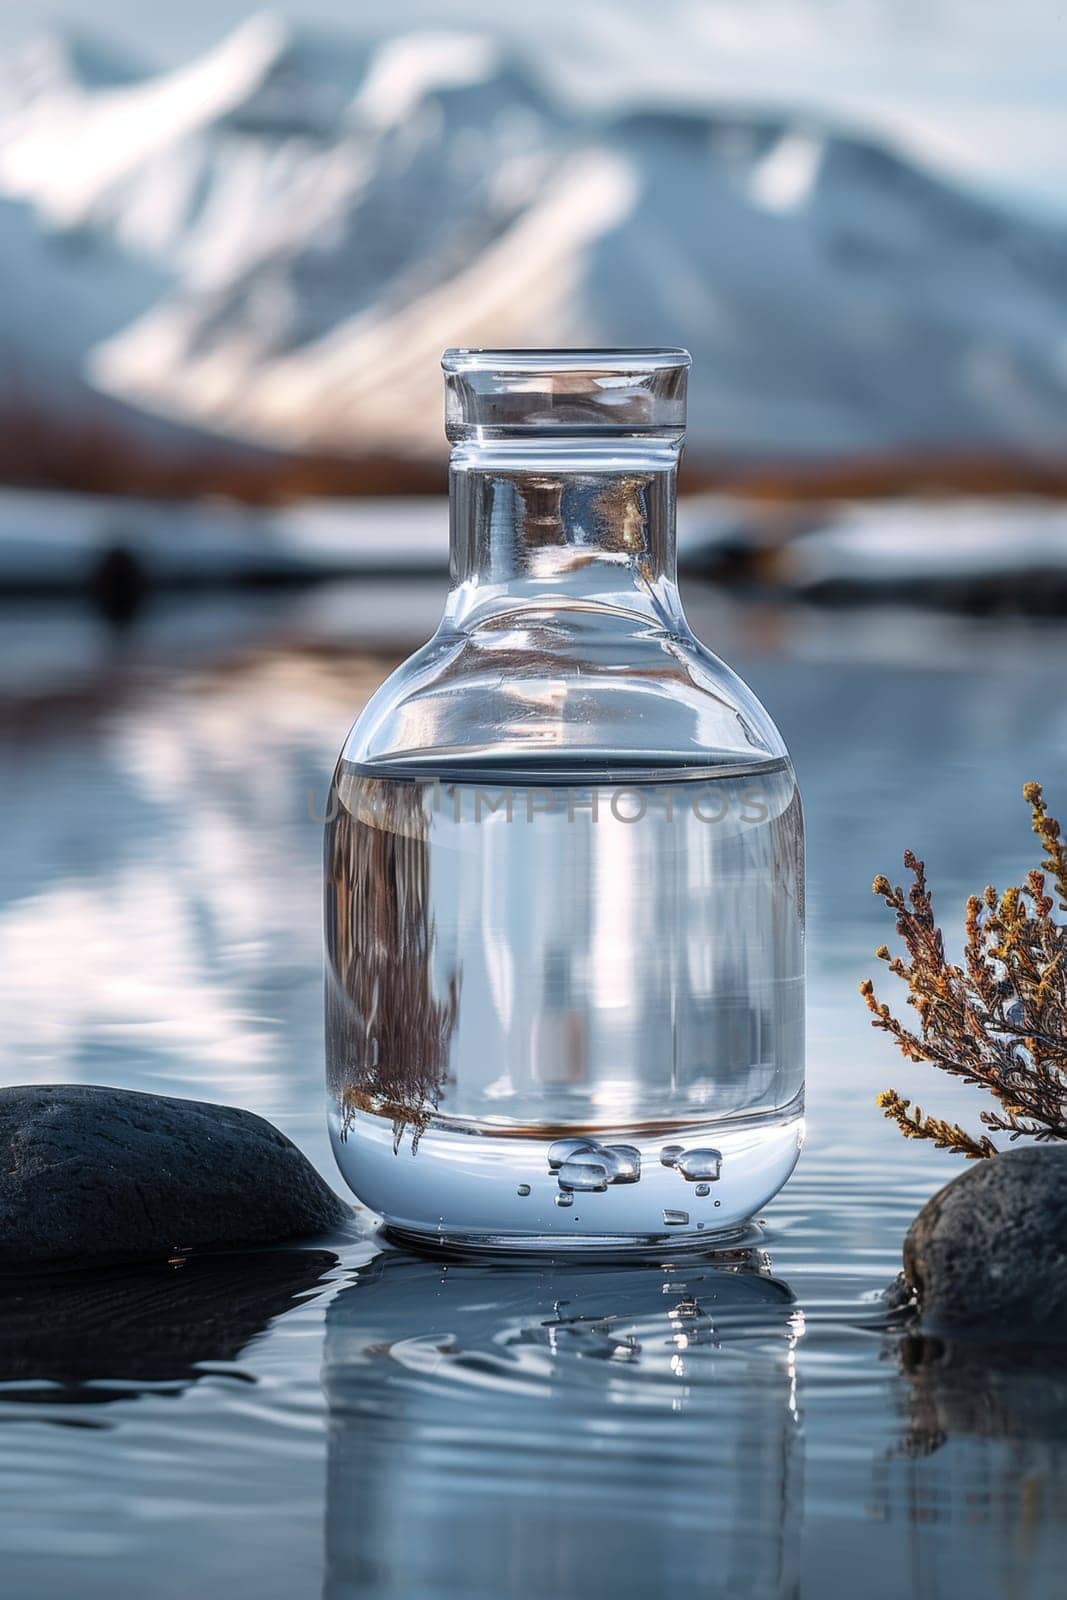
(233, 245)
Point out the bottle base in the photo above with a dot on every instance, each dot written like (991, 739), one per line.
(591, 1247)
(613, 1192)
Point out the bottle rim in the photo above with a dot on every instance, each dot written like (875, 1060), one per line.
(576, 393)
(599, 359)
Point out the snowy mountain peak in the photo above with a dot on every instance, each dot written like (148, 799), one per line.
(274, 241)
(405, 70)
(285, 79)
(68, 57)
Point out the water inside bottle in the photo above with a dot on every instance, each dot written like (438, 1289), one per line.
(605, 960)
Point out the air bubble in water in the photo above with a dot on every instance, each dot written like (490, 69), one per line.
(563, 1148)
(697, 1165)
(670, 1153)
(675, 1219)
(523, 1189)
(564, 1198)
(702, 1189)
(584, 1170)
(622, 1162)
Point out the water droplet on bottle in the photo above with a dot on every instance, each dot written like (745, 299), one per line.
(562, 1148)
(702, 1189)
(524, 1189)
(564, 1198)
(622, 1162)
(583, 1171)
(696, 1165)
(675, 1219)
(670, 1153)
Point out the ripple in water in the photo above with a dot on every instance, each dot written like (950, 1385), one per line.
(565, 1419)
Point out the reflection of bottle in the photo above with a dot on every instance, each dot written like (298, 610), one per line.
(564, 867)
(575, 1430)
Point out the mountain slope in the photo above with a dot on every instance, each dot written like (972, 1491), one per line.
(293, 227)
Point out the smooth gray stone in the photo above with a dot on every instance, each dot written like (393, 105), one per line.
(91, 1176)
(987, 1254)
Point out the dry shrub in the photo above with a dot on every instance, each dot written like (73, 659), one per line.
(999, 1019)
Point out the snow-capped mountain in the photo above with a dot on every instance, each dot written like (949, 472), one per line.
(273, 243)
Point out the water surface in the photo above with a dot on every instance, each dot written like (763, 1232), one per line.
(349, 1419)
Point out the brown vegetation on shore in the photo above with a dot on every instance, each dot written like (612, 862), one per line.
(999, 1020)
(96, 455)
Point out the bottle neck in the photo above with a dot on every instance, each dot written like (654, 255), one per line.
(561, 522)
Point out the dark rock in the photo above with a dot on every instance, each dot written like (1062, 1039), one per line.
(987, 1255)
(91, 1176)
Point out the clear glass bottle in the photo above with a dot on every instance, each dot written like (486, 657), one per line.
(564, 856)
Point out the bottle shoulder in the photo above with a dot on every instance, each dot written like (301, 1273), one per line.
(588, 685)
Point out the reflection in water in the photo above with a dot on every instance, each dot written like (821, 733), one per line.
(387, 1033)
(981, 1390)
(566, 1429)
(978, 1484)
(83, 1338)
(148, 837)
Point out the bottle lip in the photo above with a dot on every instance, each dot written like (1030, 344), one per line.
(617, 359)
(560, 393)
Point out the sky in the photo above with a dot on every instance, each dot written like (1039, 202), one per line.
(971, 87)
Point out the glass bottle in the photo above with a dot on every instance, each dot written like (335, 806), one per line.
(564, 856)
